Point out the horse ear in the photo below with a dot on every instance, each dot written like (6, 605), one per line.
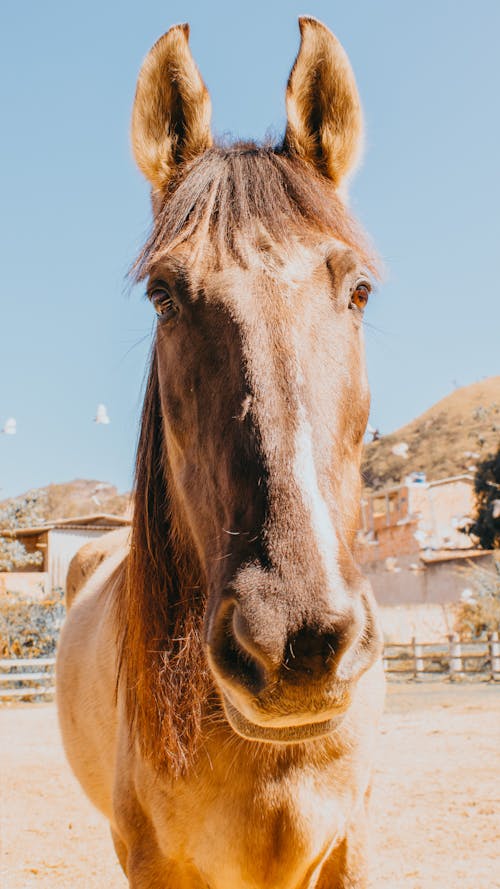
(325, 122)
(172, 109)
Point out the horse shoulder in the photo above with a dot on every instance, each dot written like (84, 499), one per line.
(89, 557)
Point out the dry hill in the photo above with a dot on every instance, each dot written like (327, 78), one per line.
(448, 439)
(77, 498)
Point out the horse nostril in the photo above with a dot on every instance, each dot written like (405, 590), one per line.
(246, 640)
(233, 656)
(312, 652)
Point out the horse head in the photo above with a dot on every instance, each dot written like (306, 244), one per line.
(248, 482)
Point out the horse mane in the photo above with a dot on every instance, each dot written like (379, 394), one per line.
(159, 610)
(160, 602)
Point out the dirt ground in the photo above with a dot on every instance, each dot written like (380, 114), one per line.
(436, 807)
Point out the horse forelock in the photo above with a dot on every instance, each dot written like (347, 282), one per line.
(228, 194)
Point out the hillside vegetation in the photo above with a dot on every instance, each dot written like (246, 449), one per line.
(76, 498)
(451, 438)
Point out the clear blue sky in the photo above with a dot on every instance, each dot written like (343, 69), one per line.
(74, 210)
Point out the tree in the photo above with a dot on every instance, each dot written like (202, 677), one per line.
(21, 512)
(486, 521)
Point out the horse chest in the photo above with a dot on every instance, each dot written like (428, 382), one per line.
(251, 835)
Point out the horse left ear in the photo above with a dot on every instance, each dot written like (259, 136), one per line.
(325, 121)
(172, 109)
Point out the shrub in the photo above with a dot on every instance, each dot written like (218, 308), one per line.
(19, 513)
(479, 610)
(30, 629)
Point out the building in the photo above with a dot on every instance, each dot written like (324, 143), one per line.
(411, 547)
(58, 541)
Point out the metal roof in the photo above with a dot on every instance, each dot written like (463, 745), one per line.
(99, 521)
(393, 489)
(448, 555)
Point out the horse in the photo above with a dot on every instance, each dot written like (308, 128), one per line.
(219, 678)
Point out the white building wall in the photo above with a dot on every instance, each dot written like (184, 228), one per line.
(63, 544)
(441, 507)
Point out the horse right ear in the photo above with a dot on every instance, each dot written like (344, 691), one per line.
(172, 109)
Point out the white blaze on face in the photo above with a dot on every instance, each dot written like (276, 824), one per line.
(294, 268)
(306, 478)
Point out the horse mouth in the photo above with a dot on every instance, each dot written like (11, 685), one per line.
(282, 734)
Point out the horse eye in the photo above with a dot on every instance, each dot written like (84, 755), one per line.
(163, 303)
(360, 296)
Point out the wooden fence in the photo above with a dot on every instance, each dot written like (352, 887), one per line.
(29, 678)
(454, 659)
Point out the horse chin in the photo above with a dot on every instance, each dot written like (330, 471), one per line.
(282, 734)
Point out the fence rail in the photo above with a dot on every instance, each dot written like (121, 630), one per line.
(455, 659)
(28, 678)
(34, 677)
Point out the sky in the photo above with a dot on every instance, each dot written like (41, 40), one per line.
(75, 211)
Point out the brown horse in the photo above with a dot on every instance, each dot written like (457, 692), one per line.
(219, 678)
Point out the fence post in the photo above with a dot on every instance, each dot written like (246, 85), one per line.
(417, 657)
(494, 646)
(455, 655)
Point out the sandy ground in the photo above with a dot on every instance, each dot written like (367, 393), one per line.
(436, 807)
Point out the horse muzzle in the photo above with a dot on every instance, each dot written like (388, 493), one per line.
(289, 687)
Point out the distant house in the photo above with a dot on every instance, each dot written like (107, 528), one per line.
(58, 541)
(410, 545)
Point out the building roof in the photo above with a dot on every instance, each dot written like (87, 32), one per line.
(99, 521)
(448, 555)
(451, 478)
(393, 489)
